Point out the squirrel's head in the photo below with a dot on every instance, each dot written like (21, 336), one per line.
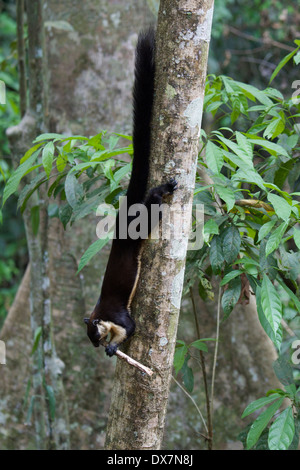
(96, 330)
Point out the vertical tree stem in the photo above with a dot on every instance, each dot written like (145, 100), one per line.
(203, 367)
(192, 399)
(47, 381)
(216, 353)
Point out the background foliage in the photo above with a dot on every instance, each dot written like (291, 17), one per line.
(12, 237)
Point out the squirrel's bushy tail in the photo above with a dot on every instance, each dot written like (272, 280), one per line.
(143, 94)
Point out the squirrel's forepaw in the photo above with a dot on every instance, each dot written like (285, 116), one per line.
(172, 185)
(111, 349)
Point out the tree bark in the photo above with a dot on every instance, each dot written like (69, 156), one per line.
(138, 402)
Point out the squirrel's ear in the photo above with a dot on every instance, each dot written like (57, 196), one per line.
(86, 320)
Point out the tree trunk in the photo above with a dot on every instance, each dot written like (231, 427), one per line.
(87, 85)
(138, 402)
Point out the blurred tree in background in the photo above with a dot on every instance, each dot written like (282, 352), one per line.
(13, 250)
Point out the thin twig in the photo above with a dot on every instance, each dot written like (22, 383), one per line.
(197, 408)
(130, 361)
(202, 362)
(287, 328)
(254, 203)
(216, 354)
(247, 51)
(266, 41)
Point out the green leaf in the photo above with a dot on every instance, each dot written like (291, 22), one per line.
(282, 64)
(283, 371)
(73, 190)
(231, 296)
(295, 442)
(283, 172)
(282, 431)
(252, 92)
(187, 375)
(83, 166)
(229, 276)
(30, 152)
(260, 403)
(214, 157)
(281, 206)
(53, 211)
(122, 172)
(227, 194)
(105, 154)
(275, 338)
(240, 152)
(47, 157)
(49, 136)
(296, 235)
(29, 189)
(13, 182)
(199, 345)
(125, 136)
(291, 294)
(36, 339)
(273, 149)
(274, 129)
(2, 173)
(213, 106)
(271, 303)
(216, 254)
(245, 145)
(91, 252)
(297, 58)
(51, 399)
(61, 162)
(247, 262)
(265, 229)
(87, 207)
(211, 227)
(236, 110)
(179, 358)
(65, 214)
(231, 244)
(275, 238)
(55, 185)
(250, 176)
(261, 422)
